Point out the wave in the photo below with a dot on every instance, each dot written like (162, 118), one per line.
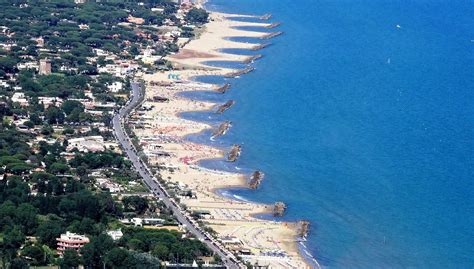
(226, 193)
(304, 251)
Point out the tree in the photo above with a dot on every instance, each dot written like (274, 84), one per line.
(35, 254)
(70, 260)
(160, 251)
(29, 124)
(68, 131)
(54, 115)
(46, 130)
(75, 115)
(135, 203)
(120, 259)
(136, 244)
(26, 217)
(81, 170)
(12, 240)
(69, 106)
(8, 64)
(19, 168)
(94, 253)
(19, 263)
(86, 225)
(85, 117)
(49, 230)
(58, 168)
(197, 15)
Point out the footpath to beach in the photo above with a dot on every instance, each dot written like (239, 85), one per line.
(162, 136)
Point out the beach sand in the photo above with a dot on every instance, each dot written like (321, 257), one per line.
(162, 138)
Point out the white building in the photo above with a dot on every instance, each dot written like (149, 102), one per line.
(28, 65)
(115, 87)
(107, 184)
(20, 98)
(4, 84)
(50, 101)
(87, 144)
(115, 234)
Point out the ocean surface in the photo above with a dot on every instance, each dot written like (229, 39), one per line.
(362, 117)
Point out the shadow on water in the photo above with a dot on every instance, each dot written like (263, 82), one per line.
(261, 29)
(246, 19)
(212, 79)
(246, 39)
(210, 96)
(225, 64)
(238, 51)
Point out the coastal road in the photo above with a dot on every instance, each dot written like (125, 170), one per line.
(137, 96)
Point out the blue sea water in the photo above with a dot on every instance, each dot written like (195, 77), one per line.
(361, 116)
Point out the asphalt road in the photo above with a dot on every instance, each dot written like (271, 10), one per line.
(154, 186)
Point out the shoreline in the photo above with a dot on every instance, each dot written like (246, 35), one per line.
(226, 215)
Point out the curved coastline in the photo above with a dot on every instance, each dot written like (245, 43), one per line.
(203, 127)
(227, 192)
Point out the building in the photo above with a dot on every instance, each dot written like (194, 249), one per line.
(115, 234)
(28, 65)
(19, 97)
(87, 144)
(139, 222)
(104, 183)
(185, 2)
(45, 67)
(40, 42)
(50, 101)
(135, 20)
(115, 87)
(71, 241)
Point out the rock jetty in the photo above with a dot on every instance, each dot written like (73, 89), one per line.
(303, 228)
(234, 153)
(273, 25)
(271, 35)
(222, 129)
(256, 179)
(260, 46)
(251, 59)
(225, 106)
(240, 72)
(223, 88)
(279, 209)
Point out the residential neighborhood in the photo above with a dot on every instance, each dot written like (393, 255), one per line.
(69, 197)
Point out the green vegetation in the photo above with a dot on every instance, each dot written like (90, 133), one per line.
(197, 16)
(100, 160)
(163, 244)
(65, 204)
(47, 188)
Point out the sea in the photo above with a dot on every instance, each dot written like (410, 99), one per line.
(361, 116)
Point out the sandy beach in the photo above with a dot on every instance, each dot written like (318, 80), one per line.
(162, 135)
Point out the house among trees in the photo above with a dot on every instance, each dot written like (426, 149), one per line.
(71, 241)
